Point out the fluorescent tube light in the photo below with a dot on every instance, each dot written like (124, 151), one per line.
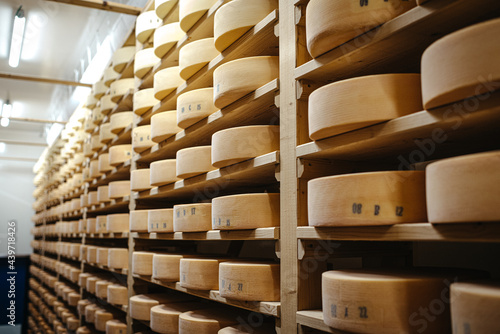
(16, 43)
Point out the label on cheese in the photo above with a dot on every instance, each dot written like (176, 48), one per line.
(192, 217)
(195, 105)
(141, 138)
(118, 154)
(145, 25)
(161, 220)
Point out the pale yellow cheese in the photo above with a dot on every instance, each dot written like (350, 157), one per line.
(117, 294)
(139, 179)
(83, 330)
(101, 225)
(141, 138)
(120, 87)
(109, 76)
(165, 318)
(73, 298)
(81, 306)
(103, 194)
(166, 267)
(145, 25)
(120, 121)
(139, 221)
(95, 143)
(195, 55)
(89, 124)
(161, 220)
(91, 282)
(102, 256)
(193, 161)
(206, 321)
(117, 223)
(92, 198)
(115, 327)
(101, 317)
(101, 289)
(167, 37)
(99, 89)
(91, 256)
(105, 134)
(144, 100)
(118, 258)
(192, 217)
(163, 7)
(91, 225)
(119, 189)
(145, 60)
(118, 154)
(190, 11)
(195, 105)
(199, 274)
(82, 278)
(91, 101)
(72, 323)
(140, 305)
(234, 145)
(104, 165)
(163, 172)
(83, 253)
(362, 199)
(107, 104)
(239, 77)
(164, 125)
(166, 81)
(142, 263)
(121, 57)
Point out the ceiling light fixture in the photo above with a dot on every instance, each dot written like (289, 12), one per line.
(6, 113)
(16, 43)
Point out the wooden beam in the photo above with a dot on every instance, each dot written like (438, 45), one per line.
(35, 120)
(44, 80)
(103, 5)
(23, 143)
(19, 159)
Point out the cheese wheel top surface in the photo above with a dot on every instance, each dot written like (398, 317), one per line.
(205, 321)
(141, 138)
(190, 11)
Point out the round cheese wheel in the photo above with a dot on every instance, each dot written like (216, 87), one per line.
(95, 143)
(120, 87)
(105, 134)
(461, 65)
(193, 161)
(101, 317)
(234, 145)
(99, 89)
(249, 281)
(142, 263)
(163, 7)
(190, 11)
(164, 125)
(166, 267)
(72, 323)
(74, 273)
(249, 328)
(118, 154)
(118, 258)
(139, 221)
(94, 169)
(239, 77)
(109, 76)
(91, 256)
(194, 106)
(89, 125)
(115, 327)
(140, 305)
(145, 60)
(144, 100)
(192, 217)
(117, 223)
(73, 298)
(91, 101)
(107, 105)
(120, 121)
(101, 222)
(101, 289)
(362, 199)
(141, 138)
(91, 225)
(145, 25)
(97, 115)
(92, 198)
(91, 282)
(459, 192)
(195, 55)
(165, 318)
(235, 18)
(117, 294)
(166, 81)
(161, 220)
(103, 194)
(119, 189)
(245, 211)
(205, 321)
(332, 23)
(104, 165)
(167, 37)
(199, 274)
(355, 103)
(102, 256)
(83, 255)
(139, 179)
(163, 172)
(121, 58)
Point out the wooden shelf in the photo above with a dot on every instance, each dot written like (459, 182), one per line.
(398, 44)
(74, 194)
(258, 171)
(112, 235)
(268, 308)
(111, 270)
(120, 172)
(126, 102)
(123, 137)
(314, 319)
(128, 71)
(267, 233)
(113, 206)
(72, 215)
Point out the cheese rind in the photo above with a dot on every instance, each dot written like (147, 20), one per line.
(118, 154)
(140, 180)
(142, 263)
(165, 318)
(164, 125)
(192, 217)
(163, 7)
(115, 327)
(119, 189)
(205, 321)
(120, 87)
(139, 221)
(195, 55)
(103, 195)
(104, 165)
(195, 105)
(144, 100)
(109, 76)
(117, 294)
(107, 104)
(163, 172)
(199, 274)
(140, 305)
(166, 267)
(141, 138)
(166, 81)
(117, 223)
(120, 121)
(161, 221)
(190, 11)
(118, 258)
(121, 57)
(145, 60)
(166, 37)
(194, 161)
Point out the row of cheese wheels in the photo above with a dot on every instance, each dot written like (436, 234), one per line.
(449, 191)
(64, 269)
(46, 278)
(410, 301)
(446, 78)
(103, 319)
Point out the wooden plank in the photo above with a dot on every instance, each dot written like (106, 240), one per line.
(314, 319)
(267, 233)
(43, 80)
(109, 6)
(120, 172)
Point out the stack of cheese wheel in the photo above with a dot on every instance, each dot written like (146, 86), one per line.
(358, 102)
(118, 154)
(190, 11)
(371, 301)
(110, 75)
(101, 317)
(195, 55)
(121, 87)
(139, 221)
(139, 179)
(448, 78)
(140, 305)
(117, 294)
(332, 23)
(107, 105)
(474, 307)
(199, 274)
(103, 194)
(120, 121)
(258, 328)
(166, 37)
(163, 172)
(73, 298)
(458, 193)
(89, 125)
(142, 263)
(249, 281)
(192, 217)
(166, 267)
(161, 220)
(193, 161)
(118, 258)
(101, 224)
(145, 60)
(105, 134)
(206, 321)
(374, 198)
(122, 57)
(163, 7)
(141, 138)
(245, 211)
(194, 106)
(165, 318)
(144, 100)
(145, 25)
(166, 81)
(104, 165)
(102, 256)
(117, 223)
(164, 125)
(115, 327)
(235, 18)
(119, 189)
(233, 145)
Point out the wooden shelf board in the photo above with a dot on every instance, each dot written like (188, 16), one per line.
(314, 319)
(125, 103)
(111, 270)
(111, 235)
(114, 205)
(268, 233)
(120, 172)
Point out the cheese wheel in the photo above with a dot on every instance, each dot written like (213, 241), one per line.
(86, 174)
(141, 138)
(109, 76)
(115, 327)
(102, 256)
(101, 225)
(121, 87)
(165, 318)
(90, 311)
(199, 274)
(250, 281)
(120, 121)
(163, 172)
(362, 199)
(163, 7)
(118, 154)
(166, 267)
(94, 169)
(140, 305)
(119, 189)
(101, 289)
(107, 105)
(246, 211)
(195, 55)
(461, 65)
(235, 18)
(458, 193)
(117, 294)
(82, 255)
(144, 100)
(167, 37)
(249, 328)
(332, 23)
(118, 258)
(91, 225)
(239, 77)
(194, 106)
(190, 11)
(164, 125)
(139, 179)
(139, 221)
(89, 125)
(161, 220)
(145, 25)
(91, 256)
(355, 103)
(117, 223)
(121, 58)
(83, 330)
(91, 282)
(105, 134)
(192, 217)
(101, 317)
(72, 323)
(95, 143)
(234, 145)
(104, 165)
(73, 298)
(145, 60)
(142, 263)
(103, 194)
(74, 273)
(193, 161)
(166, 81)
(206, 321)
(99, 89)
(474, 307)
(92, 198)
